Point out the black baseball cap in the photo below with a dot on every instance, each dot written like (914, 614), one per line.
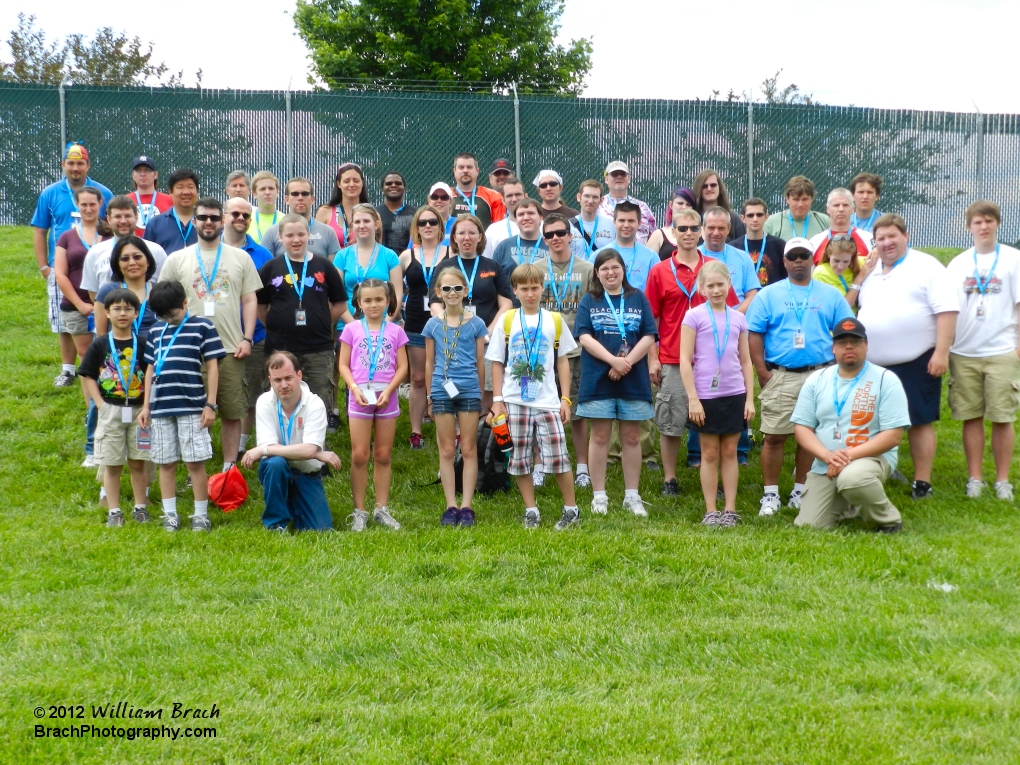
(851, 327)
(502, 164)
(148, 161)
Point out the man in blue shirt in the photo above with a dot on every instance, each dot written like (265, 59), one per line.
(789, 337)
(527, 246)
(55, 212)
(716, 230)
(638, 258)
(175, 229)
(850, 417)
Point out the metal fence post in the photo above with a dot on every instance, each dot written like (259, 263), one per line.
(980, 153)
(290, 135)
(63, 114)
(517, 130)
(750, 149)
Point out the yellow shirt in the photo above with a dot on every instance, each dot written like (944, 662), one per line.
(260, 224)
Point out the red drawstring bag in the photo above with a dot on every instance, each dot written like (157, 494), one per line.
(228, 490)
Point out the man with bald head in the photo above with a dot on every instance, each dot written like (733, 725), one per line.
(840, 209)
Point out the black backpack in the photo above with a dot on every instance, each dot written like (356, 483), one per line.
(492, 462)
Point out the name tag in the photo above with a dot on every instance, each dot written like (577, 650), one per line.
(798, 340)
(369, 395)
(529, 388)
(426, 301)
(142, 439)
(469, 311)
(299, 318)
(126, 415)
(210, 307)
(450, 388)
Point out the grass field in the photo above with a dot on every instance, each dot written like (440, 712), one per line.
(623, 641)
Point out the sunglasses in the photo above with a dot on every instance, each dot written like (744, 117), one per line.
(131, 258)
(558, 233)
(446, 289)
(440, 197)
(548, 185)
(428, 222)
(710, 186)
(300, 193)
(241, 215)
(204, 218)
(841, 238)
(393, 183)
(618, 174)
(798, 256)
(685, 229)
(754, 215)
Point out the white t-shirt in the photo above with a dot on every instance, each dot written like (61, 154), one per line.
(96, 271)
(996, 332)
(898, 308)
(516, 366)
(605, 232)
(497, 232)
(309, 425)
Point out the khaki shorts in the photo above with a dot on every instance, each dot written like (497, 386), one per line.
(232, 390)
(778, 400)
(984, 388)
(74, 323)
(116, 440)
(575, 382)
(255, 372)
(671, 403)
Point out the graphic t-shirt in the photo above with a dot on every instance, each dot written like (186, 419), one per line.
(392, 341)
(995, 332)
(876, 403)
(100, 364)
(463, 364)
(396, 226)
(149, 206)
(322, 286)
(589, 237)
(76, 250)
(638, 260)
(178, 388)
(490, 283)
(516, 250)
(563, 290)
(743, 275)
(706, 359)
(595, 318)
(517, 361)
(771, 268)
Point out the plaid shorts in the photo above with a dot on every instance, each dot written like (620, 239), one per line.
(177, 438)
(53, 303)
(525, 423)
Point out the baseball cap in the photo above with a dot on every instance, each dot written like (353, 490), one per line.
(501, 164)
(612, 167)
(149, 162)
(798, 243)
(849, 327)
(440, 186)
(75, 150)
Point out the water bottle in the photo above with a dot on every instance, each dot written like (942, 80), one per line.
(501, 431)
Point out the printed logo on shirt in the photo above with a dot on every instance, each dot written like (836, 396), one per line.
(862, 413)
(970, 285)
(220, 287)
(387, 354)
(603, 321)
(519, 355)
(570, 301)
(813, 304)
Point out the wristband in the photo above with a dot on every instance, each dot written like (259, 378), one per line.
(212, 406)
(496, 399)
(569, 402)
(247, 340)
(853, 287)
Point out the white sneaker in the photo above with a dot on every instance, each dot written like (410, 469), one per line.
(635, 505)
(1004, 490)
(383, 518)
(795, 498)
(769, 505)
(538, 477)
(358, 519)
(975, 487)
(600, 505)
(582, 480)
(89, 461)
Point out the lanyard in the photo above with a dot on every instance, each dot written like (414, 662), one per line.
(865, 224)
(470, 202)
(474, 271)
(216, 267)
(153, 210)
(534, 250)
(428, 271)
(532, 348)
(803, 309)
(126, 381)
(761, 250)
(680, 284)
(141, 311)
(298, 288)
(74, 202)
(285, 433)
(95, 238)
(184, 234)
(982, 284)
(836, 402)
(449, 350)
(846, 287)
(509, 231)
(589, 242)
(359, 273)
(719, 349)
(566, 282)
(258, 223)
(340, 217)
(161, 352)
(374, 349)
(902, 258)
(618, 318)
(633, 258)
(807, 218)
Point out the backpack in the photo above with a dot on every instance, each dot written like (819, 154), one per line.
(492, 464)
(508, 322)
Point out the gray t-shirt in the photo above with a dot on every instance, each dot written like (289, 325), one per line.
(322, 240)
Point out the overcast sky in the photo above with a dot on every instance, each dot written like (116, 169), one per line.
(921, 54)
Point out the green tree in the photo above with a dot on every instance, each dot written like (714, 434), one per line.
(484, 45)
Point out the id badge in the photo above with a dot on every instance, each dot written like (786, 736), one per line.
(981, 311)
(299, 318)
(450, 388)
(798, 340)
(426, 304)
(529, 388)
(715, 381)
(210, 307)
(836, 434)
(126, 415)
(369, 394)
(469, 311)
(143, 441)
(624, 349)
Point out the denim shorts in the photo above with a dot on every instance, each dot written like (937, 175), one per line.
(457, 405)
(416, 339)
(616, 409)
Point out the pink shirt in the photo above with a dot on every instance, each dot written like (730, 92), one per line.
(394, 339)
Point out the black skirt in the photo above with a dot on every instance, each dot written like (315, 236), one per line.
(723, 416)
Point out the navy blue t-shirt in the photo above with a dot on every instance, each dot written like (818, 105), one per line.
(595, 318)
(178, 388)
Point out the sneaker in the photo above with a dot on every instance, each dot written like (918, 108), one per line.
(103, 501)
(532, 519)
(769, 506)
(851, 512)
(538, 477)
(897, 476)
(742, 460)
(201, 523)
(974, 487)
(729, 519)
(170, 522)
(694, 463)
(582, 480)
(64, 379)
(600, 505)
(115, 520)
(889, 528)
(921, 490)
(1004, 490)
(670, 488)
(417, 441)
(568, 519)
(467, 517)
(794, 501)
(140, 514)
(652, 465)
(383, 518)
(89, 461)
(241, 449)
(279, 530)
(332, 422)
(713, 518)
(635, 505)
(451, 517)
(360, 520)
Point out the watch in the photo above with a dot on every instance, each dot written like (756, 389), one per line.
(212, 406)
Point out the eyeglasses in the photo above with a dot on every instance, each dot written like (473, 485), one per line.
(440, 197)
(131, 258)
(427, 222)
(558, 233)
(754, 215)
(446, 289)
(241, 215)
(798, 256)
(685, 229)
(393, 183)
(548, 185)
(300, 193)
(710, 186)
(204, 218)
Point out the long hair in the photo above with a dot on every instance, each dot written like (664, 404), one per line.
(336, 198)
(699, 184)
(415, 231)
(391, 295)
(595, 286)
(115, 269)
(462, 219)
(842, 247)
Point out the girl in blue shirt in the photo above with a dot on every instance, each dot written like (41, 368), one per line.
(367, 258)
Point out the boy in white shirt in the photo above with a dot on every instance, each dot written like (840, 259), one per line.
(525, 390)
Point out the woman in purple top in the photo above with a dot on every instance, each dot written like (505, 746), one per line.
(715, 365)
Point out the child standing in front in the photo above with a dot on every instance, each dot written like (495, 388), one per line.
(454, 377)
(715, 366)
(373, 363)
(527, 361)
(178, 409)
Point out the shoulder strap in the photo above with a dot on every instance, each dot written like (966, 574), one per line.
(558, 323)
(508, 322)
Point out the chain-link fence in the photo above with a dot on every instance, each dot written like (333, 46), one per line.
(933, 163)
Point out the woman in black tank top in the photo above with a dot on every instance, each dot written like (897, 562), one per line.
(661, 239)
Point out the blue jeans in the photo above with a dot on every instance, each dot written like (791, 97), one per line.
(694, 446)
(91, 421)
(292, 496)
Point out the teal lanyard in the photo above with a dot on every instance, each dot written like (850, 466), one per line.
(589, 243)
(81, 236)
(470, 279)
(761, 250)
(618, 318)
(125, 382)
(215, 269)
(720, 349)
(982, 284)
(865, 224)
(161, 352)
(531, 348)
(299, 288)
(566, 282)
(532, 255)
(428, 271)
(803, 308)
(362, 274)
(285, 432)
(184, 234)
(807, 218)
(689, 293)
(374, 349)
(838, 404)
(470, 202)
(141, 311)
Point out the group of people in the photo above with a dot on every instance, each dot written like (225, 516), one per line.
(491, 304)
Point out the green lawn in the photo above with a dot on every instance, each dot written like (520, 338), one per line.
(623, 641)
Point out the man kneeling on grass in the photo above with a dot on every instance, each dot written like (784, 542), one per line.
(290, 427)
(855, 446)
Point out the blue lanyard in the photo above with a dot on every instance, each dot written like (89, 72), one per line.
(471, 279)
(534, 250)
(449, 350)
(618, 318)
(471, 202)
(258, 224)
(982, 284)
(126, 381)
(215, 269)
(374, 349)
(846, 287)
(803, 309)
(836, 402)
(532, 348)
(566, 282)
(298, 288)
(95, 238)
(184, 234)
(341, 220)
(153, 210)
(865, 224)
(761, 250)
(509, 231)
(428, 271)
(680, 284)
(285, 433)
(589, 244)
(719, 349)
(70, 193)
(633, 258)
(902, 258)
(362, 273)
(141, 311)
(161, 352)
(807, 219)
